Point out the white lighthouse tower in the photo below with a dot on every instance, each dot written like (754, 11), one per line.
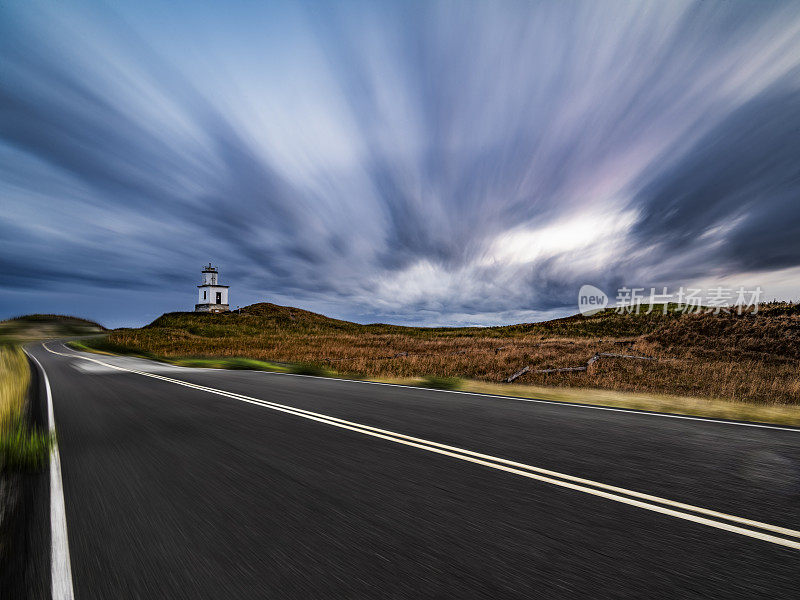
(212, 297)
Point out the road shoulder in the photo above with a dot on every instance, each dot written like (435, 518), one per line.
(25, 564)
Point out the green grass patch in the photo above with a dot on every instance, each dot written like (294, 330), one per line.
(442, 383)
(24, 449)
(310, 369)
(227, 363)
(77, 345)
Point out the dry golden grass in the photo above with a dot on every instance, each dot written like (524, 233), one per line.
(22, 448)
(14, 380)
(748, 358)
(664, 403)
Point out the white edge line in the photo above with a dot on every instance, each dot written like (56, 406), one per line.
(60, 566)
(632, 411)
(474, 457)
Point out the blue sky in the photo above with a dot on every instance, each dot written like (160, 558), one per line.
(409, 162)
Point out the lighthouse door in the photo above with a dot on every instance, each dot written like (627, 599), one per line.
(219, 297)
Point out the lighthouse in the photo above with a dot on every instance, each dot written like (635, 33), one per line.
(212, 297)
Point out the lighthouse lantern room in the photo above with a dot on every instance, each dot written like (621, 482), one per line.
(212, 297)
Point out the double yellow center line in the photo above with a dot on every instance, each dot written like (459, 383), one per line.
(774, 534)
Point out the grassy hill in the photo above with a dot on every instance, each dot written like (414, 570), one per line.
(257, 317)
(751, 357)
(32, 327)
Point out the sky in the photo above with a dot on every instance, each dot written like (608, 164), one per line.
(430, 163)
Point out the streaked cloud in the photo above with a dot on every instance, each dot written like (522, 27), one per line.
(418, 162)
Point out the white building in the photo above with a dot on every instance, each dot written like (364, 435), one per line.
(211, 296)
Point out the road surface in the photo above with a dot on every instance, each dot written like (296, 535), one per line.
(195, 483)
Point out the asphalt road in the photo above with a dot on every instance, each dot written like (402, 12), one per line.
(178, 491)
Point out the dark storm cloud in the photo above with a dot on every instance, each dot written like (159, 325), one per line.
(431, 162)
(740, 183)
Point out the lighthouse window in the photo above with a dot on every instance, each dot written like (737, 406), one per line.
(204, 294)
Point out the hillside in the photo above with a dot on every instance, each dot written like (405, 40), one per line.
(752, 357)
(32, 327)
(257, 317)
